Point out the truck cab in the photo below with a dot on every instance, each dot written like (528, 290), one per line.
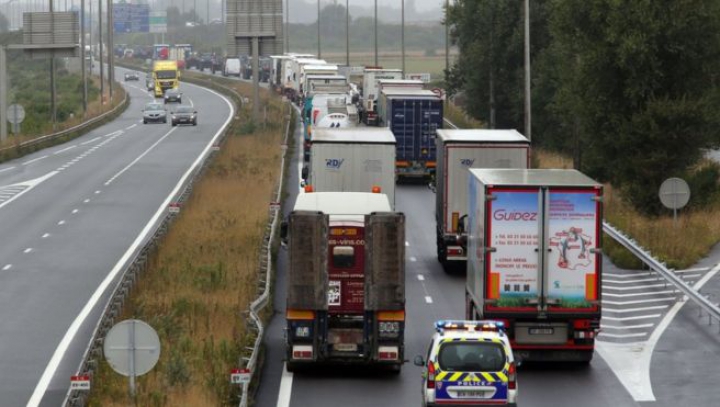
(346, 292)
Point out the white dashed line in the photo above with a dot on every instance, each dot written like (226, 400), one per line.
(28, 250)
(64, 150)
(413, 258)
(97, 192)
(62, 222)
(74, 211)
(421, 277)
(130, 127)
(46, 235)
(140, 156)
(428, 299)
(7, 169)
(407, 243)
(86, 201)
(35, 159)
(7, 267)
(90, 141)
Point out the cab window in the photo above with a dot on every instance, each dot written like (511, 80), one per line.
(343, 257)
(471, 357)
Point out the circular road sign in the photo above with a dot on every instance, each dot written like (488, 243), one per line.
(132, 347)
(15, 114)
(674, 193)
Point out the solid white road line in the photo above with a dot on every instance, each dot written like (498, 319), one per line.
(640, 294)
(64, 149)
(641, 326)
(285, 388)
(35, 159)
(114, 177)
(631, 318)
(639, 301)
(626, 310)
(693, 270)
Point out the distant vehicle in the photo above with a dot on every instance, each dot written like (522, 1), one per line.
(149, 82)
(470, 363)
(215, 21)
(131, 76)
(154, 112)
(191, 24)
(183, 114)
(232, 67)
(166, 76)
(206, 62)
(173, 95)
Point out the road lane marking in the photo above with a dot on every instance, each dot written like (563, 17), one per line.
(28, 250)
(131, 126)
(628, 275)
(90, 141)
(407, 244)
(626, 310)
(62, 222)
(692, 270)
(620, 336)
(65, 149)
(97, 192)
(27, 186)
(285, 388)
(7, 169)
(639, 301)
(413, 258)
(428, 299)
(631, 318)
(74, 211)
(114, 177)
(92, 302)
(35, 159)
(7, 267)
(640, 294)
(641, 326)
(642, 280)
(421, 277)
(46, 235)
(86, 201)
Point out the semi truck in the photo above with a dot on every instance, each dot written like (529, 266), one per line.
(413, 116)
(534, 259)
(457, 151)
(166, 76)
(370, 91)
(345, 281)
(352, 159)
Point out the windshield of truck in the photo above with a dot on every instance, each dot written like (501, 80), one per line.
(165, 74)
(471, 356)
(343, 257)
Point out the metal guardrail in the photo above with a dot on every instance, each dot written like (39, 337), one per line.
(80, 127)
(126, 282)
(647, 258)
(265, 272)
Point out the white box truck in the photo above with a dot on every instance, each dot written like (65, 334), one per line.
(457, 151)
(371, 92)
(355, 159)
(534, 259)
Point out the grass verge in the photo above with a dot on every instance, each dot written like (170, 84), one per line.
(680, 246)
(203, 275)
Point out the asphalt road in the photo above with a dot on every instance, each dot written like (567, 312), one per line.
(683, 366)
(70, 216)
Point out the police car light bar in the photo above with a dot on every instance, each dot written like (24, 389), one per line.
(481, 325)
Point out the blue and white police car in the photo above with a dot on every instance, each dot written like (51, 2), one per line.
(469, 363)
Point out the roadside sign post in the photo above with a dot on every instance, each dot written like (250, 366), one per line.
(240, 376)
(674, 194)
(15, 115)
(81, 382)
(132, 348)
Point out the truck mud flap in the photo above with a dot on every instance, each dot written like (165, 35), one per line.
(308, 253)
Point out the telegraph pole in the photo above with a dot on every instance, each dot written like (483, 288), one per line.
(347, 32)
(402, 34)
(447, 40)
(376, 36)
(100, 44)
(83, 67)
(53, 107)
(287, 25)
(528, 111)
(111, 49)
(318, 24)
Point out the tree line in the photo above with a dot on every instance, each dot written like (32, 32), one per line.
(627, 87)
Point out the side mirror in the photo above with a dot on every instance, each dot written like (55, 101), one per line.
(304, 173)
(419, 361)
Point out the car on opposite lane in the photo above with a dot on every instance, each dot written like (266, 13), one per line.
(173, 95)
(132, 76)
(183, 114)
(154, 112)
(469, 363)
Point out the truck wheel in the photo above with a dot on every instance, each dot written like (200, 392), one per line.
(441, 251)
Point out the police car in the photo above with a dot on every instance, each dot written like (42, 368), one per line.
(469, 363)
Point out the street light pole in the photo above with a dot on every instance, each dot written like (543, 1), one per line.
(376, 35)
(83, 67)
(111, 49)
(402, 34)
(347, 32)
(100, 58)
(447, 40)
(318, 27)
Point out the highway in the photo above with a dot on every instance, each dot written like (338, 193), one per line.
(71, 216)
(680, 364)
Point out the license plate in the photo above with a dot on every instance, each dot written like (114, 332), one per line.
(471, 394)
(345, 347)
(541, 331)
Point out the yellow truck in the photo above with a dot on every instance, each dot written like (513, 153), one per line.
(166, 76)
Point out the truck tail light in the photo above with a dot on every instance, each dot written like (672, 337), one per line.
(431, 375)
(512, 377)
(376, 189)
(454, 251)
(391, 315)
(299, 314)
(302, 352)
(387, 353)
(581, 324)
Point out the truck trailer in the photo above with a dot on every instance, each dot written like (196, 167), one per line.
(352, 159)
(534, 259)
(413, 116)
(458, 151)
(345, 281)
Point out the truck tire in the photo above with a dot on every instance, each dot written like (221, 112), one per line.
(441, 250)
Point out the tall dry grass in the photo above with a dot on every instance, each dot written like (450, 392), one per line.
(680, 246)
(202, 279)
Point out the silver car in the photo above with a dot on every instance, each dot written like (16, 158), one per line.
(154, 112)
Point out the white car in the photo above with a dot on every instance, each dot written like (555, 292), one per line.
(469, 363)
